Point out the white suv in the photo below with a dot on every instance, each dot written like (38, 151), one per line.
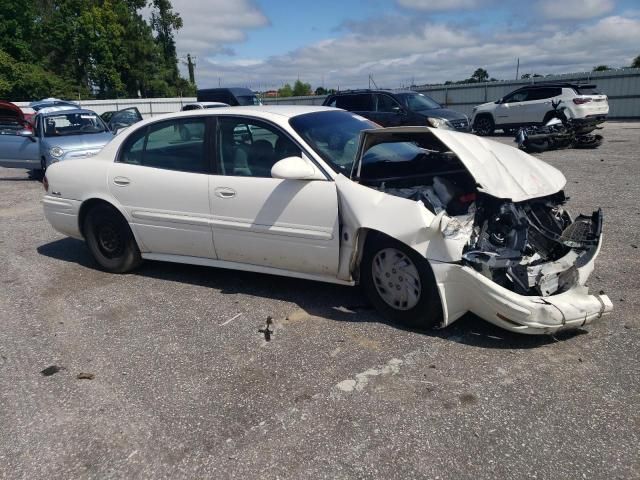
(532, 105)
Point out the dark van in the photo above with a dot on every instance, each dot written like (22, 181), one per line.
(231, 96)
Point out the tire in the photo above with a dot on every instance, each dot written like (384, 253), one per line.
(537, 147)
(417, 303)
(484, 125)
(110, 240)
(590, 141)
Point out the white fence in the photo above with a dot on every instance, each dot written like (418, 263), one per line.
(149, 107)
(621, 86)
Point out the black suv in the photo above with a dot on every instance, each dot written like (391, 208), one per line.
(394, 108)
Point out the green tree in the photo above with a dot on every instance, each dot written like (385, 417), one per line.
(285, 91)
(320, 91)
(301, 89)
(23, 81)
(601, 68)
(165, 22)
(480, 75)
(636, 62)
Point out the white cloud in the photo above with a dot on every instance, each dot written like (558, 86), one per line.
(575, 9)
(434, 52)
(439, 5)
(211, 26)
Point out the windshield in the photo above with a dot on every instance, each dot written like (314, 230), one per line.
(248, 100)
(333, 135)
(418, 101)
(72, 124)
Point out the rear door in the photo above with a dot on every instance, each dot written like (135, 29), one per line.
(264, 221)
(538, 104)
(360, 103)
(161, 179)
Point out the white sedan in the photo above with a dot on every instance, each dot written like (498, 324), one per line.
(432, 223)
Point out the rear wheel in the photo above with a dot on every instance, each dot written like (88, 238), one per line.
(110, 240)
(484, 125)
(400, 284)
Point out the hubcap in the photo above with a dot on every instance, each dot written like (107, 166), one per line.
(109, 240)
(396, 279)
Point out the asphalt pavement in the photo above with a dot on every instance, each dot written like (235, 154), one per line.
(177, 379)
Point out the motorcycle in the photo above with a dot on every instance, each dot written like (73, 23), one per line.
(559, 132)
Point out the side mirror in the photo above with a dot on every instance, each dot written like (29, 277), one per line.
(498, 101)
(25, 132)
(397, 110)
(292, 168)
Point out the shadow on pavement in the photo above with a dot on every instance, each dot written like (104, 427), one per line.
(334, 302)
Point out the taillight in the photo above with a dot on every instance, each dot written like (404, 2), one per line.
(45, 183)
(581, 100)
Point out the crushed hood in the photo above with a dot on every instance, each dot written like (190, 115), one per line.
(499, 170)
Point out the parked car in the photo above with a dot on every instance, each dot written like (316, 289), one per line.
(12, 119)
(119, 119)
(394, 108)
(57, 135)
(432, 223)
(201, 105)
(532, 105)
(230, 96)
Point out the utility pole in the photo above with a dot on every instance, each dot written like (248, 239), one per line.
(191, 66)
(518, 68)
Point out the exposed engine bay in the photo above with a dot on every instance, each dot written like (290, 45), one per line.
(532, 247)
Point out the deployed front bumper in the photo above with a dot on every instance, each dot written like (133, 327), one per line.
(462, 290)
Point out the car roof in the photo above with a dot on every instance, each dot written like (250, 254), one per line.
(206, 104)
(57, 111)
(556, 85)
(369, 90)
(279, 114)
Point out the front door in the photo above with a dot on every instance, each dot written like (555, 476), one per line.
(389, 113)
(17, 151)
(161, 178)
(259, 220)
(509, 111)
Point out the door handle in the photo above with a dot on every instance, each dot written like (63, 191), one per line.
(121, 181)
(225, 192)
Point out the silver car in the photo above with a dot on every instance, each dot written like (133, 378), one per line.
(59, 133)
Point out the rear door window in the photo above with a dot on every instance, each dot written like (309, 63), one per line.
(360, 102)
(170, 145)
(587, 91)
(543, 93)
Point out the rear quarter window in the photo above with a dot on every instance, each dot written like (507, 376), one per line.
(587, 91)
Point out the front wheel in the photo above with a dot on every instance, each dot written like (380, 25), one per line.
(484, 126)
(110, 240)
(400, 284)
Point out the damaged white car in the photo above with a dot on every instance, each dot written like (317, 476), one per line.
(432, 223)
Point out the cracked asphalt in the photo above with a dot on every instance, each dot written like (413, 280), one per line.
(186, 386)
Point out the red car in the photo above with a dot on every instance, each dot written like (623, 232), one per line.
(12, 119)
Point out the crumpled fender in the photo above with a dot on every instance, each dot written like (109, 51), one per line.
(362, 207)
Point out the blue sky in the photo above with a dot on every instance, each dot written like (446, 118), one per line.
(265, 43)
